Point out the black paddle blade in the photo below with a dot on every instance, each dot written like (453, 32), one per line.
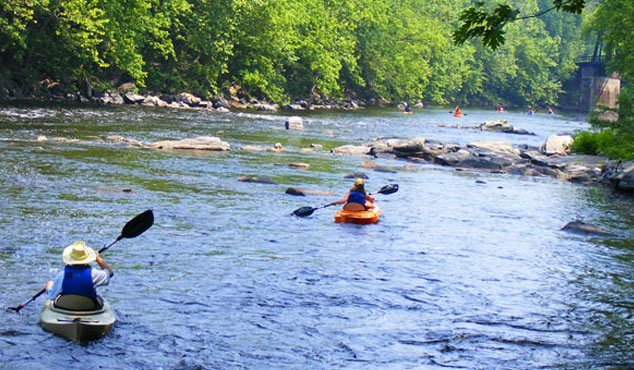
(138, 225)
(388, 189)
(304, 211)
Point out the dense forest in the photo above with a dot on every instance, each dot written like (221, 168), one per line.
(279, 50)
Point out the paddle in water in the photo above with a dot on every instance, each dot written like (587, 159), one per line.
(135, 227)
(307, 211)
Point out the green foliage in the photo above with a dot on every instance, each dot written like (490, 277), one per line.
(477, 22)
(285, 49)
(614, 20)
(610, 143)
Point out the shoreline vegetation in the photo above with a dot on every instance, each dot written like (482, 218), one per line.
(280, 51)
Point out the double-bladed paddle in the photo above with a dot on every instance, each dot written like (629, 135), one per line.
(307, 211)
(135, 227)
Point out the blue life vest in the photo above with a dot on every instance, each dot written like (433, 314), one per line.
(356, 197)
(78, 280)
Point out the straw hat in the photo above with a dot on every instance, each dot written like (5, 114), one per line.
(78, 254)
(358, 181)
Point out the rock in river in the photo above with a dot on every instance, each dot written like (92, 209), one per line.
(584, 228)
(198, 143)
(304, 192)
(257, 179)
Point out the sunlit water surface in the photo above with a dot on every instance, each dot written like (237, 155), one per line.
(464, 270)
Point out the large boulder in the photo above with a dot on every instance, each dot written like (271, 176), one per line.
(199, 143)
(557, 145)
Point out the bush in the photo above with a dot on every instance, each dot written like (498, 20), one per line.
(609, 142)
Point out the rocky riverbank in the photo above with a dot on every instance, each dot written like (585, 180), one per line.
(552, 159)
(127, 94)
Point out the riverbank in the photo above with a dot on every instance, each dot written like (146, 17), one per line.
(127, 94)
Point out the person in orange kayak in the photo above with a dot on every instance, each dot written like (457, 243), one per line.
(457, 112)
(356, 199)
(78, 278)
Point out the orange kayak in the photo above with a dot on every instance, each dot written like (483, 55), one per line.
(370, 216)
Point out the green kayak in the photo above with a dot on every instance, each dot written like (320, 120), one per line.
(79, 325)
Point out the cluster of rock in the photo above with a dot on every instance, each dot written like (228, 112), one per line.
(551, 159)
(126, 94)
(220, 104)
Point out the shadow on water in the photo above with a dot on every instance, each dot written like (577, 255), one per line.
(464, 270)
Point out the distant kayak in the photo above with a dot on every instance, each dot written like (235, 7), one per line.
(458, 114)
(406, 112)
(370, 216)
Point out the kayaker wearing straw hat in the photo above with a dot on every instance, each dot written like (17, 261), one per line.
(356, 196)
(78, 278)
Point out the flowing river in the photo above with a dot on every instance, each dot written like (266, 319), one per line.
(465, 270)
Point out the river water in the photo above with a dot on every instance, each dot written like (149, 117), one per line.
(464, 270)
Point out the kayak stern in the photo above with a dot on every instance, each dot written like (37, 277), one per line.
(78, 326)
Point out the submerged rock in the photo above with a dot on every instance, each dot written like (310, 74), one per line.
(584, 228)
(300, 165)
(304, 192)
(121, 139)
(356, 175)
(257, 179)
